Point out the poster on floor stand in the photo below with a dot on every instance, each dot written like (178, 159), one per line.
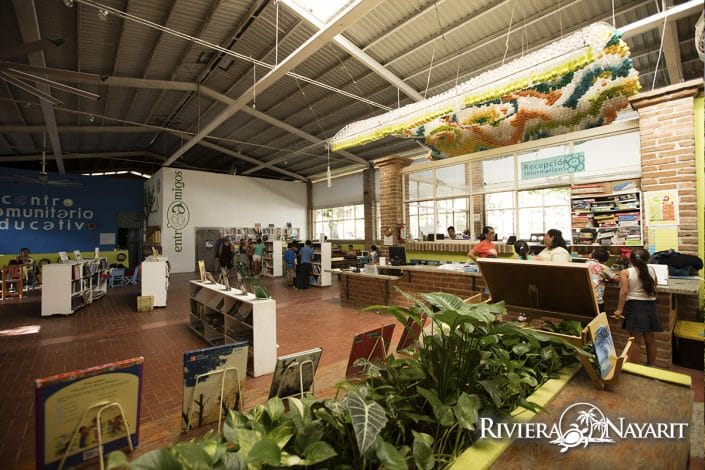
(207, 371)
(294, 374)
(371, 345)
(68, 406)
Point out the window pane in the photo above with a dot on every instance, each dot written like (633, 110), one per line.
(609, 156)
(530, 198)
(502, 221)
(338, 213)
(503, 200)
(360, 229)
(450, 181)
(421, 185)
(556, 196)
(497, 174)
(530, 221)
(558, 217)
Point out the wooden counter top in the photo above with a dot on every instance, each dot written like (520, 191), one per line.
(386, 277)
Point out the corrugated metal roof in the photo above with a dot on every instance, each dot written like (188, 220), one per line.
(422, 42)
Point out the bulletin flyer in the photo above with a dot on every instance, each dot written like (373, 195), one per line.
(62, 399)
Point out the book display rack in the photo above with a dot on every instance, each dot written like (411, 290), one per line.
(605, 214)
(68, 287)
(272, 261)
(222, 316)
(320, 265)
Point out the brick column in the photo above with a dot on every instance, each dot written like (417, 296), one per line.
(309, 213)
(667, 133)
(370, 203)
(391, 191)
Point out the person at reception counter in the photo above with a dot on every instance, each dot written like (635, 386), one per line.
(484, 248)
(556, 249)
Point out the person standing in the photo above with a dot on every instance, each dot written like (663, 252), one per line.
(244, 259)
(599, 273)
(225, 254)
(637, 305)
(484, 248)
(290, 260)
(302, 278)
(556, 249)
(257, 254)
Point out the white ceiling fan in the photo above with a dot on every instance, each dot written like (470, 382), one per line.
(43, 177)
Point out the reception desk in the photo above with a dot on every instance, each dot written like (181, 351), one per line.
(361, 289)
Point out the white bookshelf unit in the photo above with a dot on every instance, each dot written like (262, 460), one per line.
(222, 317)
(68, 287)
(272, 261)
(320, 265)
(155, 279)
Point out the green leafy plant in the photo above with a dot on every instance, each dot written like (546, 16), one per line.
(419, 410)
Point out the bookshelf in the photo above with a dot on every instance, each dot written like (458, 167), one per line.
(272, 262)
(605, 214)
(68, 287)
(222, 317)
(320, 265)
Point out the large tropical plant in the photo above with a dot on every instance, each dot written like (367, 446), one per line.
(418, 410)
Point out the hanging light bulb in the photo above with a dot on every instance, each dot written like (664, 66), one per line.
(91, 119)
(102, 14)
(68, 3)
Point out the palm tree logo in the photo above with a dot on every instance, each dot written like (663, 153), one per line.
(589, 426)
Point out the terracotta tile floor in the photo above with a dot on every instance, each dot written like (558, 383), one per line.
(32, 346)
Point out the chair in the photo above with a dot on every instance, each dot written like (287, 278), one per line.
(132, 280)
(117, 277)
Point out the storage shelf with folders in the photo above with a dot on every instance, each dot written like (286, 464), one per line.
(321, 264)
(66, 287)
(222, 316)
(607, 219)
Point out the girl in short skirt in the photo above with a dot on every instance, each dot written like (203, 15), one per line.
(637, 305)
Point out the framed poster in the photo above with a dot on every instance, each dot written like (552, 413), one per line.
(601, 337)
(294, 373)
(201, 402)
(62, 399)
(372, 345)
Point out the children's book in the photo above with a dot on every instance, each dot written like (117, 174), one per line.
(372, 345)
(62, 399)
(294, 374)
(201, 402)
(599, 330)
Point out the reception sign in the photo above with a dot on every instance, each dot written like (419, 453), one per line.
(554, 166)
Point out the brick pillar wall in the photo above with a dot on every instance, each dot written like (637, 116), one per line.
(478, 201)
(391, 191)
(309, 212)
(370, 202)
(667, 133)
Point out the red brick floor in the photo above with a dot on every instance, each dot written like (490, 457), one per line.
(111, 329)
(32, 346)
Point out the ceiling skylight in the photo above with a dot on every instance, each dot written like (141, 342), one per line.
(321, 10)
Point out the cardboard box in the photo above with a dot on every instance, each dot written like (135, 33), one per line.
(145, 303)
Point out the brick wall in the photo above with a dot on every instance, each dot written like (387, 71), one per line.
(391, 192)
(667, 133)
(369, 291)
(370, 202)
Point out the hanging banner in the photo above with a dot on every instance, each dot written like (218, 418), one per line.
(553, 166)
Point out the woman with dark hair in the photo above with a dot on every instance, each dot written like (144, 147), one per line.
(484, 248)
(637, 299)
(521, 248)
(556, 250)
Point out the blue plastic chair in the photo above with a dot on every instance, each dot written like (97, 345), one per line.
(117, 277)
(132, 280)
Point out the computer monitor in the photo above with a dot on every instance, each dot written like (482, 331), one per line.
(397, 255)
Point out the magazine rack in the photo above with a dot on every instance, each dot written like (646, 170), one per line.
(222, 390)
(301, 365)
(102, 406)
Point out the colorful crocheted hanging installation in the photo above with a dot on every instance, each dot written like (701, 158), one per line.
(576, 83)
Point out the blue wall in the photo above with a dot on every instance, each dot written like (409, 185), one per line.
(49, 218)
